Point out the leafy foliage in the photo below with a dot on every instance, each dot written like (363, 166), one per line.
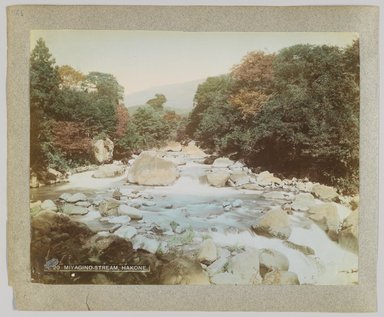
(64, 100)
(44, 91)
(251, 86)
(312, 122)
(296, 113)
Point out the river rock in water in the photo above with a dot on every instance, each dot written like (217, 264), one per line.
(303, 202)
(108, 171)
(149, 169)
(207, 252)
(266, 178)
(324, 192)
(217, 266)
(246, 267)
(272, 260)
(109, 207)
(222, 162)
(218, 179)
(48, 205)
(134, 213)
(275, 224)
(239, 178)
(327, 217)
(70, 209)
(126, 232)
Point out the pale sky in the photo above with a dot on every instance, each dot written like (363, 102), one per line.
(144, 59)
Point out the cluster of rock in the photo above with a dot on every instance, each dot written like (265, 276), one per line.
(249, 266)
(101, 152)
(56, 237)
(129, 237)
(335, 214)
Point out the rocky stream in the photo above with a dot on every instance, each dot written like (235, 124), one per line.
(194, 223)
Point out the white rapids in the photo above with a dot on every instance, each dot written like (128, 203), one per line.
(199, 206)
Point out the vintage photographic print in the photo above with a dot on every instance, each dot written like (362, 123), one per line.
(164, 157)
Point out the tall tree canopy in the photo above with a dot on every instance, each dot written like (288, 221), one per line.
(44, 92)
(252, 80)
(296, 112)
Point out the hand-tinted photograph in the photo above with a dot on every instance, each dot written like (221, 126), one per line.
(194, 157)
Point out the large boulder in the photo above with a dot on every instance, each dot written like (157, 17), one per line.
(218, 266)
(277, 277)
(126, 232)
(102, 150)
(274, 224)
(304, 186)
(149, 169)
(208, 252)
(349, 233)
(266, 178)
(109, 170)
(217, 179)
(183, 271)
(109, 207)
(133, 213)
(70, 209)
(48, 205)
(246, 267)
(272, 260)
(327, 217)
(324, 192)
(303, 202)
(239, 178)
(222, 162)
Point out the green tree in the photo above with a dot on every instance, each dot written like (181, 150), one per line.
(158, 102)
(311, 125)
(214, 91)
(44, 93)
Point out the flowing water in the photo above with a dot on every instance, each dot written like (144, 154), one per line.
(192, 203)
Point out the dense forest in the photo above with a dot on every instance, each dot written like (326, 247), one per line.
(295, 112)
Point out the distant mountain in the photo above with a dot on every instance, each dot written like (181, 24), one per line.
(179, 96)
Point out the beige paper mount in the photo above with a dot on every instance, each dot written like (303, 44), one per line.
(29, 296)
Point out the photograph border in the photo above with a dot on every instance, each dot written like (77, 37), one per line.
(30, 296)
